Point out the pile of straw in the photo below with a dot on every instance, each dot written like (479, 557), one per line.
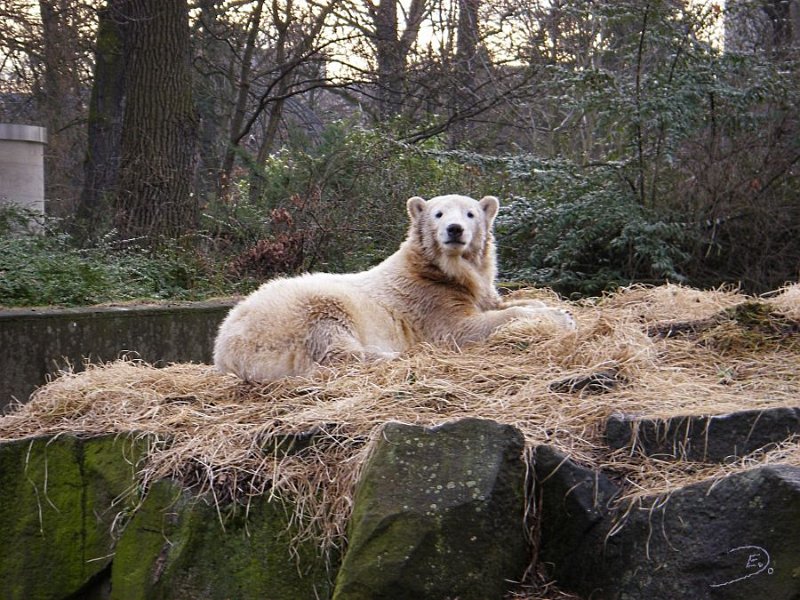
(215, 432)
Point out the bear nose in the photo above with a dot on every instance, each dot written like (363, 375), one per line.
(455, 230)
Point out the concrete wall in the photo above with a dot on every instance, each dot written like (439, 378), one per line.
(22, 166)
(38, 342)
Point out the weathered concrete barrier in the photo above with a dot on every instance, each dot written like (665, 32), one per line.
(37, 342)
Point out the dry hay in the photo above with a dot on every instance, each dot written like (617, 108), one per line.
(216, 432)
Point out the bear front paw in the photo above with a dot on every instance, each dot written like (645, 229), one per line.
(564, 317)
(560, 316)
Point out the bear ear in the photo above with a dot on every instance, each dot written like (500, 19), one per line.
(490, 206)
(415, 207)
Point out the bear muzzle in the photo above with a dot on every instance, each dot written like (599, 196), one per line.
(455, 235)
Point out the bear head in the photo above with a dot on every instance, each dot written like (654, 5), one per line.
(450, 239)
(453, 225)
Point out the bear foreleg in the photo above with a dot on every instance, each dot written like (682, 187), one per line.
(479, 327)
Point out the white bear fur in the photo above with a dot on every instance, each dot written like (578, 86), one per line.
(438, 287)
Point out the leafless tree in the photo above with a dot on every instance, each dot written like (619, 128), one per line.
(273, 52)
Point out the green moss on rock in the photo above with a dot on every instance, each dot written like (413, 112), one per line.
(179, 545)
(60, 498)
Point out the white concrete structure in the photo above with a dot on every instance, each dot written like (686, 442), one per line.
(22, 166)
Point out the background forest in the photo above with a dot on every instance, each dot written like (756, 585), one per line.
(197, 148)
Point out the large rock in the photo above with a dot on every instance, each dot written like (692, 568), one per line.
(573, 501)
(179, 545)
(714, 438)
(59, 498)
(731, 539)
(438, 514)
(74, 526)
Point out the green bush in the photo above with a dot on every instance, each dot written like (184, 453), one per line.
(582, 231)
(45, 268)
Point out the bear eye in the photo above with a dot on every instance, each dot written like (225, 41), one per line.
(438, 214)
(470, 215)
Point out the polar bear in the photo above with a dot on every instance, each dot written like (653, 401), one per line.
(438, 287)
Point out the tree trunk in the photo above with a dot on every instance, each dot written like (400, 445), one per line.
(276, 111)
(390, 63)
(466, 65)
(214, 93)
(62, 104)
(391, 51)
(240, 112)
(159, 127)
(101, 166)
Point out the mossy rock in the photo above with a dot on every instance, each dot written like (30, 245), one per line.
(438, 514)
(748, 326)
(180, 545)
(757, 326)
(61, 496)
